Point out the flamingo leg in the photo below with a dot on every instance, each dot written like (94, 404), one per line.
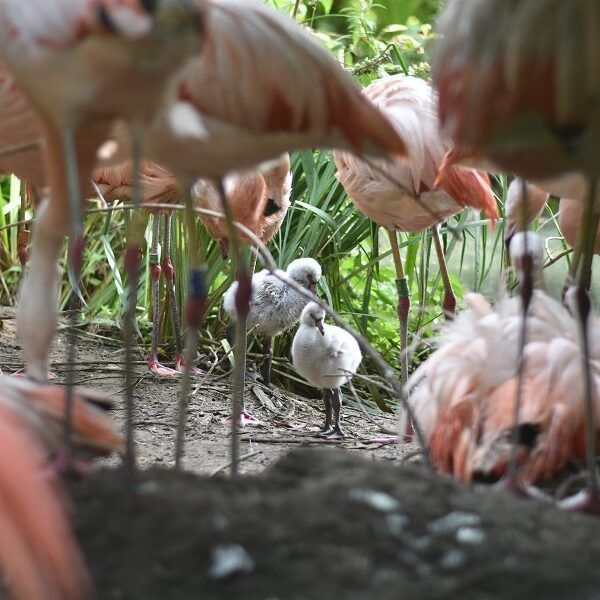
(38, 298)
(195, 309)
(135, 237)
(169, 273)
(76, 250)
(22, 248)
(574, 266)
(589, 500)
(403, 307)
(242, 303)
(23, 234)
(327, 428)
(155, 271)
(449, 303)
(336, 405)
(268, 359)
(510, 481)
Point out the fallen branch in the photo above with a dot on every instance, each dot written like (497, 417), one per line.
(240, 459)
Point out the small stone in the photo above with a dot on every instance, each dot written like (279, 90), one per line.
(380, 501)
(423, 570)
(452, 559)
(453, 521)
(229, 559)
(470, 535)
(220, 521)
(148, 487)
(396, 524)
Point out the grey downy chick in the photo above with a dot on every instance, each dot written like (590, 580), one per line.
(274, 306)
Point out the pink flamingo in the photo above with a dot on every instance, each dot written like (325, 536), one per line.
(262, 87)
(20, 146)
(233, 112)
(39, 557)
(259, 200)
(83, 64)
(464, 393)
(509, 93)
(408, 195)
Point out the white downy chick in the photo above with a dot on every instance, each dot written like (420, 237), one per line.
(326, 356)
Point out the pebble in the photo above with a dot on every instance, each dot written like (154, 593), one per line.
(452, 559)
(380, 501)
(396, 524)
(470, 535)
(453, 521)
(229, 559)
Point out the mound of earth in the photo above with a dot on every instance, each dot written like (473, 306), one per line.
(325, 523)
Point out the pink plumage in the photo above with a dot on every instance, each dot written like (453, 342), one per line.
(262, 87)
(427, 196)
(519, 85)
(38, 555)
(464, 394)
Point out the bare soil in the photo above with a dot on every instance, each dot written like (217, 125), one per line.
(309, 518)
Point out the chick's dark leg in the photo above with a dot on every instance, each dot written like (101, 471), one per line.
(336, 405)
(326, 429)
(268, 359)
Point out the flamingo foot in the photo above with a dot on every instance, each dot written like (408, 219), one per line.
(587, 501)
(159, 369)
(325, 431)
(245, 419)
(180, 365)
(23, 373)
(511, 483)
(385, 440)
(63, 464)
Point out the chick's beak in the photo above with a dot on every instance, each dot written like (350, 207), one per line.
(319, 326)
(312, 287)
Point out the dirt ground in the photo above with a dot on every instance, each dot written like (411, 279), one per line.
(311, 519)
(286, 420)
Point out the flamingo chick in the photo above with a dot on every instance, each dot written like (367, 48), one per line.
(274, 306)
(326, 356)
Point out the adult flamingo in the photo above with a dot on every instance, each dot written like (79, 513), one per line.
(464, 393)
(39, 557)
(233, 112)
(408, 195)
(83, 64)
(519, 86)
(259, 201)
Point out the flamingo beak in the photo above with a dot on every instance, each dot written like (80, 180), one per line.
(319, 326)
(312, 287)
(224, 246)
